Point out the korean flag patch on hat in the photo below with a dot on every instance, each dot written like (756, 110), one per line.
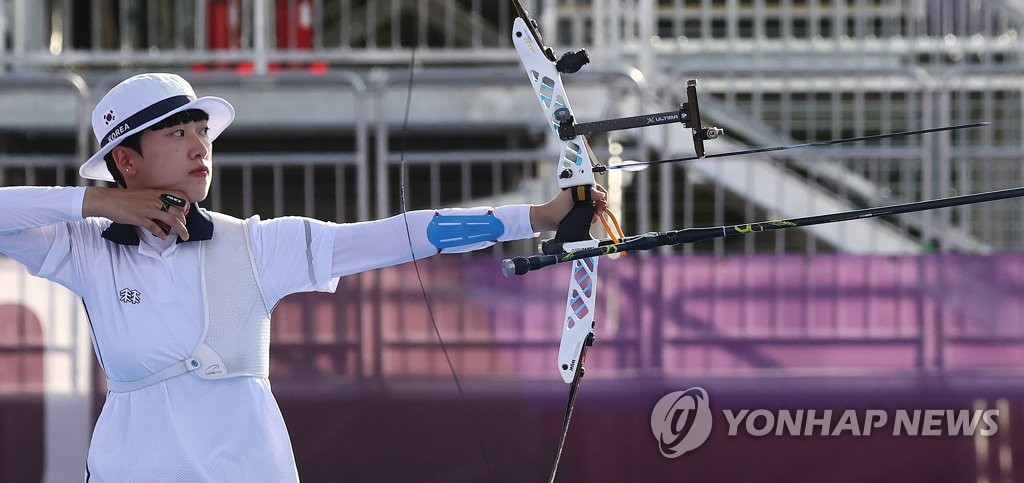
(142, 101)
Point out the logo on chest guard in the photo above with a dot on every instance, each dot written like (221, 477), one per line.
(130, 296)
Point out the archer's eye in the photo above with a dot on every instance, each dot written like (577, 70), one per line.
(178, 133)
(205, 131)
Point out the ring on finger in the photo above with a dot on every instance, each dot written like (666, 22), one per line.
(174, 200)
(169, 199)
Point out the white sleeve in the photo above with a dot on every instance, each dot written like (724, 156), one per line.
(382, 243)
(25, 207)
(32, 224)
(293, 254)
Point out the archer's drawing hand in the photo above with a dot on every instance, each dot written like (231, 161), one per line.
(139, 207)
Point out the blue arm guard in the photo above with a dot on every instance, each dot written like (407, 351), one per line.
(461, 230)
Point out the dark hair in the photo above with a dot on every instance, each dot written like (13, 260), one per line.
(133, 142)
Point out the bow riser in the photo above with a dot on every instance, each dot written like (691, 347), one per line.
(574, 172)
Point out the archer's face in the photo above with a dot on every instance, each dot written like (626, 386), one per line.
(177, 157)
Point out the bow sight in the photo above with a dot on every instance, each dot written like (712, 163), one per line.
(688, 114)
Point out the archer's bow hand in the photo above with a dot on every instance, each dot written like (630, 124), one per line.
(547, 216)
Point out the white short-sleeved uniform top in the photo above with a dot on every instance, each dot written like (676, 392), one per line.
(144, 300)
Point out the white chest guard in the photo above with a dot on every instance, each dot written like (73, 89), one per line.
(236, 331)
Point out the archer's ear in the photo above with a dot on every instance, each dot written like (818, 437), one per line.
(125, 160)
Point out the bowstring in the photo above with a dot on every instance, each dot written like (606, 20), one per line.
(423, 289)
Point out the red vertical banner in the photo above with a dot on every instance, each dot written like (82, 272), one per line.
(223, 32)
(223, 24)
(295, 32)
(294, 24)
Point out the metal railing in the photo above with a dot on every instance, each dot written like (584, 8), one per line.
(265, 35)
(262, 34)
(760, 108)
(986, 159)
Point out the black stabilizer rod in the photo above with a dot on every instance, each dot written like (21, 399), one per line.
(522, 265)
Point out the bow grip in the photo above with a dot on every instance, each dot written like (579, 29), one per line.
(576, 225)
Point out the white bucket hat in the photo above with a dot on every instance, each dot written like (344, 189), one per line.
(141, 101)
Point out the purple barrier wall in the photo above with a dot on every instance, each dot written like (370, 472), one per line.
(21, 394)
(832, 332)
(368, 397)
(672, 316)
